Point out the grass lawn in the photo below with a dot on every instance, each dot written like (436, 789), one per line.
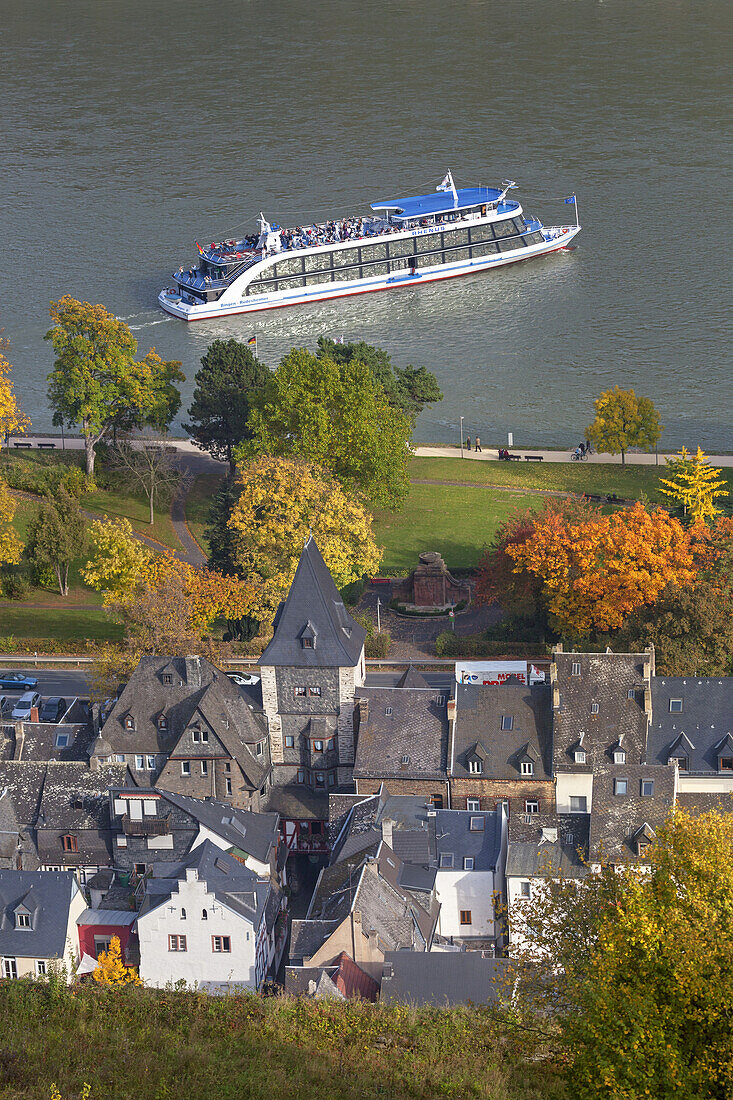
(198, 503)
(133, 506)
(456, 521)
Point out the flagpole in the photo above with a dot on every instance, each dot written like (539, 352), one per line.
(577, 221)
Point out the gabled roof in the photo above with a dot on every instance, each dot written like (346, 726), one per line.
(530, 852)
(705, 720)
(403, 733)
(411, 678)
(313, 605)
(48, 895)
(680, 748)
(250, 832)
(444, 978)
(480, 709)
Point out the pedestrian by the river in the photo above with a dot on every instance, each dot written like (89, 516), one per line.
(478, 445)
(468, 443)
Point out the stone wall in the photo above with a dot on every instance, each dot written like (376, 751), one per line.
(492, 791)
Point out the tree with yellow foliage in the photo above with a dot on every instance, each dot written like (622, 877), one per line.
(119, 562)
(283, 499)
(111, 970)
(695, 484)
(10, 545)
(596, 569)
(624, 420)
(12, 420)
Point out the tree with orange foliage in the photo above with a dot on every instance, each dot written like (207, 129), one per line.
(596, 569)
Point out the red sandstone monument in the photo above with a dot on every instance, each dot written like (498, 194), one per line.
(431, 587)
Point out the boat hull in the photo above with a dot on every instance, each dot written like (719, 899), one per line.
(278, 300)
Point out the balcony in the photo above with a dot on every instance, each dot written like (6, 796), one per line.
(148, 826)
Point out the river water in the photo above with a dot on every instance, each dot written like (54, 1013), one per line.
(130, 130)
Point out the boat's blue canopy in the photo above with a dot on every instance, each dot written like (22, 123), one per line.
(442, 202)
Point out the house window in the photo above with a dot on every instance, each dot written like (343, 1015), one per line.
(228, 786)
(139, 763)
(167, 678)
(149, 806)
(331, 779)
(289, 741)
(320, 779)
(301, 776)
(299, 692)
(440, 700)
(318, 746)
(531, 806)
(575, 669)
(647, 788)
(183, 913)
(176, 943)
(404, 760)
(10, 968)
(227, 767)
(69, 843)
(140, 868)
(620, 786)
(580, 756)
(527, 767)
(725, 764)
(259, 748)
(446, 860)
(681, 762)
(619, 756)
(594, 708)
(525, 889)
(185, 767)
(162, 722)
(62, 740)
(507, 722)
(22, 920)
(307, 643)
(129, 722)
(475, 766)
(196, 735)
(476, 825)
(204, 914)
(578, 804)
(315, 691)
(675, 706)
(204, 767)
(473, 804)
(151, 763)
(437, 801)
(465, 916)
(388, 712)
(631, 693)
(41, 968)
(221, 944)
(468, 863)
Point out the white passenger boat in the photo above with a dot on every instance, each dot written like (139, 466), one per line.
(403, 242)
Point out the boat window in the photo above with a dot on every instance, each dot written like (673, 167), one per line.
(455, 236)
(318, 262)
(431, 260)
(318, 277)
(457, 254)
(400, 265)
(518, 224)
(429, 243)
(290, 267)
(401, 248)
(481, 233)
(346, 274)
(345, 256)
(374, 252)
(375, 269)
(534, 238)
(511, 243)
(504, 229)
(484, 249)
(288, 284)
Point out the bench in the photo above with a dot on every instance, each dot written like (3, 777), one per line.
(533, 458)
(46, 446)
(512, 458)
(24, 445)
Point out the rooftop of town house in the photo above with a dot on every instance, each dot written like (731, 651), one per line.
(692, 718)
(44, 896)
(312, 627)
(444, 978)
(254, 833)
(402, 733)
(548, 845)
(461, 834)
(626, 798)
(502, 726)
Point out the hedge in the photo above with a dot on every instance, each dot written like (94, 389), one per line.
(477, 646)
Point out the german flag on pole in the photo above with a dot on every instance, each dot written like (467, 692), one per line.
(201, 251)
(252, 342)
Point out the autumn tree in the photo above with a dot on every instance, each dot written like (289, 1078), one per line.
(11, 547)
(97, 382)
(409, 388)
(150, 468)
(56, 536)
(694, 484)
(596, 569)
(119, 561)
(12, 420)
(110, 968)
(281, 500)
(624, 420)
(335, 416)
(230, 376)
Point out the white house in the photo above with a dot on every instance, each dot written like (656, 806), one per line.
(208, 921)
(470, 850)
(38, 922)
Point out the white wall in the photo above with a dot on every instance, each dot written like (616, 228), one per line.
(572, 783)
(472, 890)
(199, 964)
(713, 784)
(262, 870)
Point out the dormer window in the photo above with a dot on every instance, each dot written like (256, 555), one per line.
(300, 692)
(527, 767)
(308, 637)
(69, 843)
(22, 920)
(594, 708)
(475, 766)
(129, 722)
(619, 756)
(631, 693)
(388, 712)
(507, 722)
(167, 678)
(162, 722)
(575, 668)
(404, 760)
(681, 761)
(725, 763)
(307, 643)
(675, 706)
(446, 860)
(579, 756)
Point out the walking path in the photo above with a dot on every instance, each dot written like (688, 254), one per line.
(491, 454)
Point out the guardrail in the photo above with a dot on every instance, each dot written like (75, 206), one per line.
(38, 658)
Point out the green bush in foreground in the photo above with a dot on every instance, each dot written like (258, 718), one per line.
(155, 1045)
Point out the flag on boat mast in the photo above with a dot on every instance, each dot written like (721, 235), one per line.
(201, 251)
(448, 185)
(572, 201)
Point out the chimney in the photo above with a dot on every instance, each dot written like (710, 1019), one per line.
(555, 697)
(553, 673)
(34, 714)
(193, 671)
(19, 740)
(387, 832)
(192, 874)
(452, 709)
(648, 702)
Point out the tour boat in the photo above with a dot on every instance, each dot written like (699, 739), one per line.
(403, 242)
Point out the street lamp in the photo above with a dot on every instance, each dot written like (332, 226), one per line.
(461, 437)
(379, 620)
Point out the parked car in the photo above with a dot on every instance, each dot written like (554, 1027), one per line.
(246, 679)
(25, 704)
(53, 709)
(18, 680)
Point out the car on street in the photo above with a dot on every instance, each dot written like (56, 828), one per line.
(17, 681)
(53, 709)
(25, 704)
(245, 679)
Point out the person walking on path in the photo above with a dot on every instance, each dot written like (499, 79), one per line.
(478, 445)
(468, 443)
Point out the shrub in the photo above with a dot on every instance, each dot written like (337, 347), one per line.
(352, 593)
(45, 480)
(15, 586)
(476, 647)
(377, 646)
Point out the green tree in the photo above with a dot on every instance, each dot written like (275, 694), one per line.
(229, 377)
(56, 536)
(409, 388)
(220, 537)
(96, 381)
(624, 420)
(694, 484)
(335, 416)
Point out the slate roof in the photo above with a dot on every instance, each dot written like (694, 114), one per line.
(479, 712)
(453, 834)
(443, 978)
(121, 917)
(233, 884)
(702, 802)
(250, 832)
(394, 723)
(23, 779)
(532, 854)
(307, 936)
(9, 827)
(75, 800)
(48, 895)
(615, 819)
(604, 679)
(314, 606)
(705, 721)
(296, 802)
(39, 741)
